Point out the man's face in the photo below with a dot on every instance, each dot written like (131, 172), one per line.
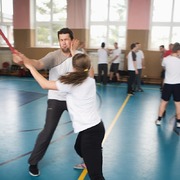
(65, 42)
(139, 46)
(115, 45)
(136, 48)
(178, 53)
(161, 49)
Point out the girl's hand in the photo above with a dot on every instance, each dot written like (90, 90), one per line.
(16, 58)
(26, 61)
(74, 46)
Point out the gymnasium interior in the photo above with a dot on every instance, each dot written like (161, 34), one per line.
(134, 148)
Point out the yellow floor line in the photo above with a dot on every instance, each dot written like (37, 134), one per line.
(84, 172)
(115, 119)
(83, 175)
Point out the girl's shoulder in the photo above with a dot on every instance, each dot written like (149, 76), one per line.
(90, 81)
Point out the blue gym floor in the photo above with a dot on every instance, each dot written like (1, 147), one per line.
(134, 148)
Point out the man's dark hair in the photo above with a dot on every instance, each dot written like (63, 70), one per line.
(102, 44)
(161, 46)
(133, 45)
(66, 31)
(176, 47)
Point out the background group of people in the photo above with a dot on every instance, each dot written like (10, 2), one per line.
(170, 86)
(135, 62)
(103, 61)
(164, 53)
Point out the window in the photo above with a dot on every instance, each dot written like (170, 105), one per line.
(50, 16)
(6, 20)
(107, 22)
(165, 23)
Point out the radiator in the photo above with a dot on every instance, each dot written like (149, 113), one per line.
(5, 56)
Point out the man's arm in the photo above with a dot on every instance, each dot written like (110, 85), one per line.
(143, 63)
(114, 58)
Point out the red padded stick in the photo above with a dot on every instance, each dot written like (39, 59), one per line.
(7, 41)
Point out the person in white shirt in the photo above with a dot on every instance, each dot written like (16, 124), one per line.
(115, 61)
(58, 64)
(102, 64)
(140, 66)
(171, 85)
(80, 90)
(132, 68)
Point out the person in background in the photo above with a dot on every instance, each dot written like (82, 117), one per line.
(115, 61)
(169, 51)
(58, 62)
(171, 87)
(164, 53)
(102, 64)
(140, 66)
(82, 109)
(132, 68)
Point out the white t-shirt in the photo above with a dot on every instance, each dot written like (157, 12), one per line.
(81, 104)
(116, 52)
(139, 58)
(172, 69)
(58, 65)
(102, 56)
(131, 57)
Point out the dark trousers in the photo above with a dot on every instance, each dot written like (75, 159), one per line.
(131, 80)
(54, 111)
(102, 73)
(137, 83)
(89, 146)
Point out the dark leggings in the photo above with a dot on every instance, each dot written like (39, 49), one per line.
(54, 111)
(89, 146)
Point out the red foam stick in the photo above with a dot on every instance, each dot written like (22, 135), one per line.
(7, 41)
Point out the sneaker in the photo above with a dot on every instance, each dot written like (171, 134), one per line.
(131, 93)
(178, 124)
(158, 122)
(33, 170)
(80, 166)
